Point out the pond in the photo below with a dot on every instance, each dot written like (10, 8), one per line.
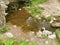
(24, 19)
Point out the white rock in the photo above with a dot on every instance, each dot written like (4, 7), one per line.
(47, 16)
(20, 9)
(5, 14)
(54, 18)
(27, 40)
(3, 4)
(9, 34)
(29, 11)
(53, 36)
(37, 16)
(58, 7)
(46, 42)
(39, 34)
(14, 26)
(31, 32)
(51, 21)
(46, 32)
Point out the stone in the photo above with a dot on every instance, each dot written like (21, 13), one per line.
(9, 34)
(3, 7)
(20, 9)
(14, 26)
(53, 36)
(39, 33)
(55, 24)
(46, 42)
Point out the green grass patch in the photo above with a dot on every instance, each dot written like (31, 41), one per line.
(16, 42)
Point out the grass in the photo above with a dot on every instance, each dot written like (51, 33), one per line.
(16, 42)
(33, 8)
(57, 41)
(34, 2)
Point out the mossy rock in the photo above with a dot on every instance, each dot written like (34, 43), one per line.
(55, 24)
(4, 29)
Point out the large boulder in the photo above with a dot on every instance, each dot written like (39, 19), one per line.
(3, 7)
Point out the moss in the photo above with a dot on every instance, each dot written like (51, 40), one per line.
(4, 29)
(57, 41)
(58, 34)
(57, 31)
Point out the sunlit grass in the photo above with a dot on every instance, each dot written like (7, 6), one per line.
(16, 42)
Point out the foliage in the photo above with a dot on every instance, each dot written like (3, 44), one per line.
(49, 18)
(57, 31)
(4, 29)
(15, 42)
(35, 2)
(35, 10)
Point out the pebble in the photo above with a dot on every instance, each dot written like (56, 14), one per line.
(46, 42)
(9, 34)
(14, 26)
(20, 9)
(53, 36)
